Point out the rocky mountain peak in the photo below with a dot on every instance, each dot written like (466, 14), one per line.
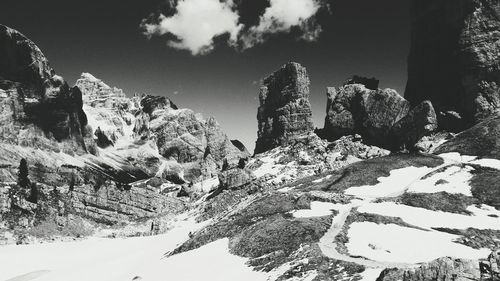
(33, 96)
(21, 60)
(285, 112)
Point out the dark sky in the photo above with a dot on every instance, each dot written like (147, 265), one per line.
(365, 37)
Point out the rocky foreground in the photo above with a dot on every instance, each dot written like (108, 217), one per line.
(98, 185)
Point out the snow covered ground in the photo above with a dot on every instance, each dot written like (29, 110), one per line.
(394, 243)
(427, 219)
(95, 258)
(393, 185)
(383, 244)
(140, 258)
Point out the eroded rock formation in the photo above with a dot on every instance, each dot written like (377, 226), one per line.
(38, 107)
(382, 117)
(448, 269)
(419, 122)
(285, 112)
(355, 109)
(455, 57)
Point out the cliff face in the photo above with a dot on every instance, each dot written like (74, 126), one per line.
(285, 112)
(455, 56)
(38, 107)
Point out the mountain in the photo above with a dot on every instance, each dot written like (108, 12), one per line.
(39, 109)
(146, 190)
(94, 153)
(454, 58)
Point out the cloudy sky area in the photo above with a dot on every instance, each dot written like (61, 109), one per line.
(194, 24)
(211, 55)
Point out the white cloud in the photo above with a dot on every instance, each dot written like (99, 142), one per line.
(281, 16)
(196, 24)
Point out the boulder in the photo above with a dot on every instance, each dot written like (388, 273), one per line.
(421, 121)
(38, 107)
(285, 112)
(355, 109)
(455, 57)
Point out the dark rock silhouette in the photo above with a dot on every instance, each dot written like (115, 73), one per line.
(455, 57)
(285, 112)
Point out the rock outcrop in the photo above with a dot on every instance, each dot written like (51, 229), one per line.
(110, 113)
(420, 121)
(234, 178)
(370, 83)
(482, 140)
(198, 144)
(182, 146)
(355, 109)
(38, 107)
(382, 117)
(455, 57)
(448, 269)
(285, 112)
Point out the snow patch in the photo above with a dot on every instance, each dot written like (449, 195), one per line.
(393, 185)
(488, 163)
(98, 258)
(318, 209)
(322, 179)
(207, 185)
(370, 274)
(393, 243)
(427, 219)
(212, 262)
(455, 157)
(454, 179)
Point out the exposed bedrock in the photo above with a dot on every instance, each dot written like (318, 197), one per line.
(448, 269)
(38, 107)
(285, 112)
(482, 140)
(381, 116)
(455, 57)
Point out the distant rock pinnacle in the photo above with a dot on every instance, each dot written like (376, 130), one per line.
(285, 112)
